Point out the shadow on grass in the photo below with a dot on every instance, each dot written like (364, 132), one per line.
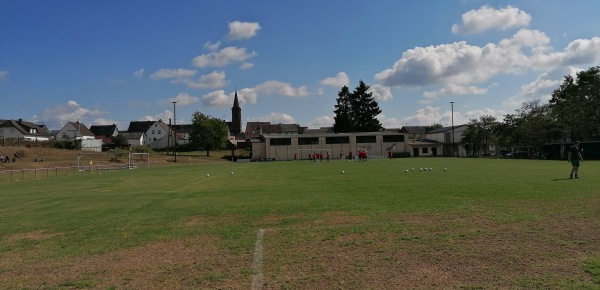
(562, 179)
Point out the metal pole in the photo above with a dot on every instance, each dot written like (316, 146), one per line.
(452, 105)
(175, 124)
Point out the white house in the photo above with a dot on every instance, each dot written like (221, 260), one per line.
(75, 131)
(156, 132)
(134, 138)
(23, 130)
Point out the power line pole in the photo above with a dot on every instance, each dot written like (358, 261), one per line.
(453, 150)
(174, 124)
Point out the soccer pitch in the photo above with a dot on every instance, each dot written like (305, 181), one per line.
(483, 223)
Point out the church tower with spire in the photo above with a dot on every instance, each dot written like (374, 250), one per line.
(236, 117)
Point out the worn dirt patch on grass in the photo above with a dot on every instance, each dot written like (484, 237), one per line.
(426, 252)
(34, 235)
(189, 263)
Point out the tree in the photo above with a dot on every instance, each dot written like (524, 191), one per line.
(576, 105)
(342, 112)
(208, 133)
(480, 134)
(433, 127)
(365, 110)
(356, 111)
(119, 141)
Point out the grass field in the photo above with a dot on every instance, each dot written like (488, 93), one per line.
(483, 224)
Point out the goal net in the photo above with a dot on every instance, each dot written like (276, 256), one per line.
(311, 154)
(142, 159)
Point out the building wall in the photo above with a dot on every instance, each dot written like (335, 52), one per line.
(273, 149)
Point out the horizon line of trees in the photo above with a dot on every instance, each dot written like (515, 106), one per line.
(572, 114)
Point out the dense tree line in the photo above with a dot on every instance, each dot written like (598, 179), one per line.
(573, 113)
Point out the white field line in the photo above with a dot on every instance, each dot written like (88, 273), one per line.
(257, 277)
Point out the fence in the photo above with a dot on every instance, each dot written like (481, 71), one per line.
(39, 173)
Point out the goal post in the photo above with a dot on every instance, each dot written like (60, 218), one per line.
(135, 157)
(303, 154)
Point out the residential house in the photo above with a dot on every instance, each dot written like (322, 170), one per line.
(105, 132)
(75, 131)
(156, 133)
(23, 130)
(182, 133)
(134, 138)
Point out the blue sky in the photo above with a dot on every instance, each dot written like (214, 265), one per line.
(105, 62)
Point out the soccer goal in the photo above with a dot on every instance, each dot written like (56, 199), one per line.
(135, 158)
(311, 154)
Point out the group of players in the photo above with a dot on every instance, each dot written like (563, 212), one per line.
(318, 157)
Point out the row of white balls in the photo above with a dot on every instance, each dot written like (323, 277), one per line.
(424, 169)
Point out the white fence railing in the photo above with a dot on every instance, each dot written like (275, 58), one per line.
(39, 173)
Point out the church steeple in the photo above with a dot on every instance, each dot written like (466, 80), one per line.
(236, 116)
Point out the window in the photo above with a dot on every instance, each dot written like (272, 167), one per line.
(308, 141)
(159, 132)
(152, 132)
(425, 150)
(366, 139)
(337, 140)
(281, 141)
(393, 138)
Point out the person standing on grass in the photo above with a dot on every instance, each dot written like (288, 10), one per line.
(575, 158)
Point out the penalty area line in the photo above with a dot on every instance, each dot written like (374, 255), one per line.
(257, 276)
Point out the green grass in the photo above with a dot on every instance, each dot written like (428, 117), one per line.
(372, 219)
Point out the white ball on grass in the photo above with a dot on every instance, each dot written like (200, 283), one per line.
(342, 171)
(207, 175)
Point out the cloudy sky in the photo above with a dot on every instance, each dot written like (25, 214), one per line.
(105, 62)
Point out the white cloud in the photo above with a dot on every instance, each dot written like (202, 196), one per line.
(250, 95)
(69, 112)
(213, 80)
(217, 99)
(583, 51)
(173, 73)
(453, 89)
(461, 64)
(431, 115)
(3, 74)
(165, 115)
(528, 38)
(276, 118)
(212, 45)
(447, 63)
(338, 81)
(246, 65)
(542, 87)
(281, 88)
(223, 57)
(486, 18)
(242, 30)
(184, 99)
(381, 93)
(138, 73)
(423, 117)
(323, 121)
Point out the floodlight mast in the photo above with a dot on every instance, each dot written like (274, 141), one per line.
(174, 124)
(453, 150)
